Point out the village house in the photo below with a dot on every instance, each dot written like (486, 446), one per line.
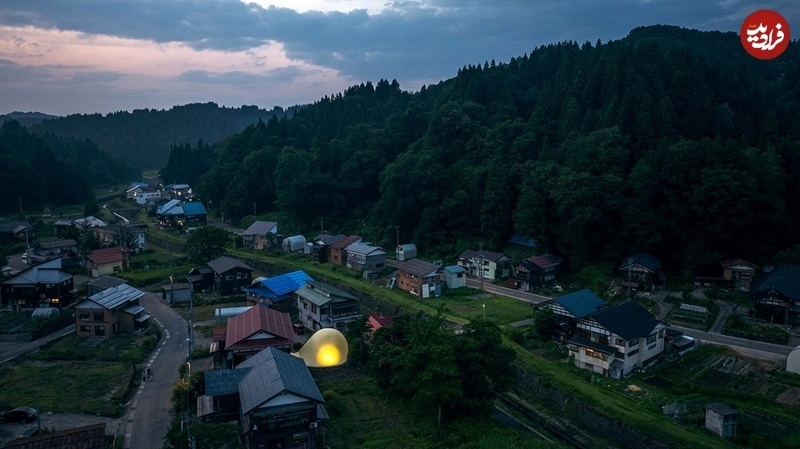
(44, 285)
(455, 276)
(486, 264)
(641, 271)
(276, 292)
(179, 214)
(260, 235)
(615, 341)
(337, 254)
(231, 276)
(324, 306)
(57, 248)
(246, 334)
(134, 235)
(365, 257)
(102, 283)
(110, 312)
(537, 271)
(420, 278)
(568, 309)
(776, 296)
(105, 261)
(320, 246)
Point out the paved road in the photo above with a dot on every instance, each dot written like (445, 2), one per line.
(150, 413)
(10, 351)
(510, 292)
(749, 348)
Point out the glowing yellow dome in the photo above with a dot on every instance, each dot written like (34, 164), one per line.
(326, 348)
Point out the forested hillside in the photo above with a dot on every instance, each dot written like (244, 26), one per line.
(670, 140)
(40, 171)
(144, 137)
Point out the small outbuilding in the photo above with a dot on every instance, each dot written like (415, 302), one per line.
(176, 293)
(406, 252)
(721, 419)
(294, 243)
(455, 276)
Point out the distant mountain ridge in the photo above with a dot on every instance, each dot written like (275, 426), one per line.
(27, 118)
(143, 137)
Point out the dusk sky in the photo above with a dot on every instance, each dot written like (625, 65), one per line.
(85, 56)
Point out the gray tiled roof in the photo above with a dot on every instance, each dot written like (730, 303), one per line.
(487, 255)
(225, 263)
(628, 320)
(274, 372)
(222, 382)
(260, 228)
(418, 267)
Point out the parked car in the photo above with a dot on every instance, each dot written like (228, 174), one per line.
(21, 414)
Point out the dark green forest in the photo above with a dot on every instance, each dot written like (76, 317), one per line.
(143, 137)
(672, 141)
(38, 171)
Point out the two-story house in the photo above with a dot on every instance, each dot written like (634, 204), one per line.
(231, 276)
(419, 278)
(101, 262)
(44, 285)
(537, 271)
(110, 312)
(57, 248)
(570, 308)
(181, 214)
(615, 341)
(776, 296)
(276, 291)
(485, 264)
(337, 254)
(362, 256)
(641, 271)
(325, 306)
(249, 332)
(134, 235)
(320, 246)
(260, 235)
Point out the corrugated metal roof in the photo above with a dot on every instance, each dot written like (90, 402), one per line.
(628, 320)
(114, 297)
(455, 269)
(487, 255)
(256, 320)
(785, 278)
(545, 260)
(274, 372)
(108, 255)
(279, 286)
(363, 248)
(225, 263)
(321, 294)
(194, 208)
(49, 273)
(226, 381)
(260, 228)
(644, 259)
(173, 207)
(581, 303)
(343, 243)
(105, 282)
(418, 267)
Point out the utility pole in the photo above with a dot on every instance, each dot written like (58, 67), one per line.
(397, 232)
(630, 267)
(480, 274)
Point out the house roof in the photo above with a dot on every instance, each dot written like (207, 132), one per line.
(363, 248)
(11, 226)
(225, 263)
(279, 286)
(171, 207)
(194, 208)
(523, 240)
(328, 240)
(581, 303)
(343, 243)
(88, 222)
(275, 372)
(785, 278)
(105, 282)
(455, 269)
(407, 247)
(108, 255)
(418, 267)
(49, 273)
(179, 286)
(722, 409)
(738, 263)
(487, 255)
(629, 320)
(254, 323)
(260, 228)
(545, 260)
(225, 381)
(376, 321)
(320, 294)
(644, 259)
(114, 297)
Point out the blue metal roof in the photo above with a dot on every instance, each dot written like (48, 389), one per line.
(279, 287)
(194, 208)
(581, 303)
(222, 382)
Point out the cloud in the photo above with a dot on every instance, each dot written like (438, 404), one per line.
(328, 43)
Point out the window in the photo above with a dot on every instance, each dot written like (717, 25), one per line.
(85, 328)
(241, 275)
(228, 277)
(83, 316)
(98, 316)
(620, 342)
(633, 342)
(100, 331)
(652, 338)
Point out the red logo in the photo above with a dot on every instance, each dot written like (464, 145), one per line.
(765, 34)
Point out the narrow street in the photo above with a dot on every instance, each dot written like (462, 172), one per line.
(150, 413)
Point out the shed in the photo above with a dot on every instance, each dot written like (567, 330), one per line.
(223, 313)
(176, 293)
(721, 419)
(455, 276)
(44, 313)
(793, 361)
(406, 252)
(294, 243)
